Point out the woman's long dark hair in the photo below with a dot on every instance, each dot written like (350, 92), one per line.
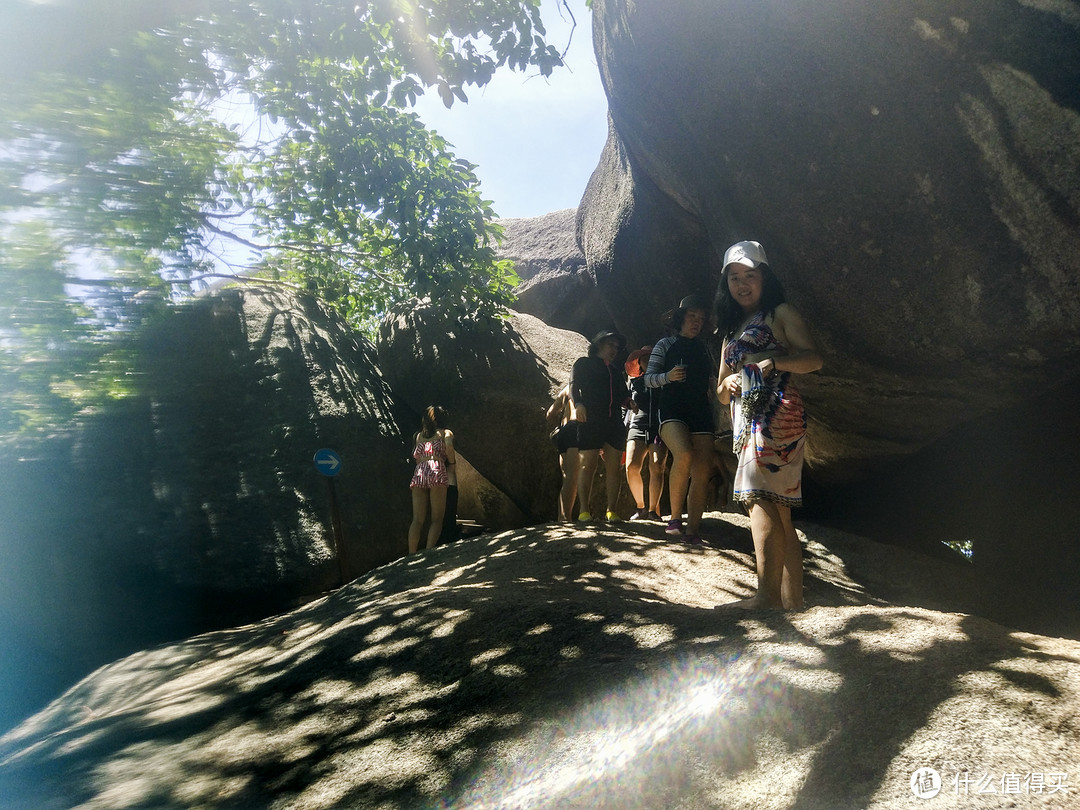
(729, 314)
(433, 420)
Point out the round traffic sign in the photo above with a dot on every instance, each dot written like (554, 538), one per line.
(327, 462)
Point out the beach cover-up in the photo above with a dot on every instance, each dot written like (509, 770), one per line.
(768, 420)
(431, 471)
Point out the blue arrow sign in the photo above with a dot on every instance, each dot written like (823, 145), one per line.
(327, 462)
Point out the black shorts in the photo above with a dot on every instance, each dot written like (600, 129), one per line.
(565, 437)
(699, 419)
(595, 433)
(639, 430)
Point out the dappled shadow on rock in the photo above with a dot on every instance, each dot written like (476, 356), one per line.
(496, 378)
(559, 667)
(191, 503)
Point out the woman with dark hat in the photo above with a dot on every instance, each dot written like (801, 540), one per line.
(643, 439)
(681, 368)
(766, 341)
(598, 393)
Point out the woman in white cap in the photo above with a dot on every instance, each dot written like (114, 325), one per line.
(766, 341)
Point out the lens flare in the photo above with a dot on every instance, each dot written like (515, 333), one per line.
(622, 735)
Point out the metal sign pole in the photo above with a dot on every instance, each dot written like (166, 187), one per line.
(339, 538)
(328, 463)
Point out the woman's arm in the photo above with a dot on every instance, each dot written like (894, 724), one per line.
(577, 403)
(655, 377)
(791, 330)
(558, 405)
(451, 458)
(728, 384)
(578, 381)
(448, 443)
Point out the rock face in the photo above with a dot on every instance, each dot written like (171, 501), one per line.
(548, 668)
(912, 169)
(496, 378)
(194, 503)
(556, 285)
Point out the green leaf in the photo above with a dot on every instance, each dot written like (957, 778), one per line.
(280, 126)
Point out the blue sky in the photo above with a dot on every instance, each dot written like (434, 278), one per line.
(535, 141)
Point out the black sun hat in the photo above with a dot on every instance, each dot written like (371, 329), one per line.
(693, 302)
(607, 334)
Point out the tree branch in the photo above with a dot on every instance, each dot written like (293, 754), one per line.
(244, 279)
(210, 226)
(573, 27)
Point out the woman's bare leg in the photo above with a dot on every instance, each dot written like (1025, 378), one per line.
(571, 469)
(438, 507)
(657, 460)
(419, 514)
(676, 435)
(589, 460)
(635, 455)
(613, 475)
(767, 527)
(700, 473)
(791, 584)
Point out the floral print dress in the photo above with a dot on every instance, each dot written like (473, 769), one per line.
(770, 431)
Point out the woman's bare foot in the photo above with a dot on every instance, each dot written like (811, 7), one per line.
(753, 603)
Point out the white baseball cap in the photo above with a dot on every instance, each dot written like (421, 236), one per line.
(748, 254)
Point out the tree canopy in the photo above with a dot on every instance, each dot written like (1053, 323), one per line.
(138, 141)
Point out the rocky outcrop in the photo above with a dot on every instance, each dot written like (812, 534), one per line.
(244, 387)
(556, 286)
(645, 252)
(911, 168)
(496, 378)
(547, 668)
(913, 172)
(194, 502)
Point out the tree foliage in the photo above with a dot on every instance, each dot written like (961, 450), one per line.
(139, 141)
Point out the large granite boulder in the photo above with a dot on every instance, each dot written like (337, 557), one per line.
(645, 252)
(556, 285)
(194, 503)
(912, 168)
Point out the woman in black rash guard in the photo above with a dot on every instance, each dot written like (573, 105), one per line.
(681, 368)
(599, 392)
